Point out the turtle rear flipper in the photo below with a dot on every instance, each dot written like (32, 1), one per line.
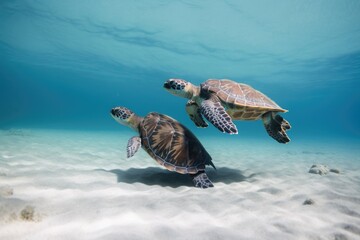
(201, 180)
(276, 127)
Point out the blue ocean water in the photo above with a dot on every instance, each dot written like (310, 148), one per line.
(64, 171)
(65, 64)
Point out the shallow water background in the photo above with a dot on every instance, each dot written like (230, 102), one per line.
(65, 64)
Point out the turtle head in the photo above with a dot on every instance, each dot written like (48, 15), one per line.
(179, 87)
(125, 117)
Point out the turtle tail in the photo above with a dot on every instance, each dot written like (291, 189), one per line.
(276, 126)
(211, 164)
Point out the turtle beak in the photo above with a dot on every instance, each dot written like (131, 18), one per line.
(114, 112)
(167, 85)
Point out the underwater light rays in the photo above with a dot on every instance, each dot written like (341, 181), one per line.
(155, 46)
(141, 37)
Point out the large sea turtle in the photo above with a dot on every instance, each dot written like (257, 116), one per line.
(167, 141)
(221, 100)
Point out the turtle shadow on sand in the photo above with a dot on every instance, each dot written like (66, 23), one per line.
(161, 177)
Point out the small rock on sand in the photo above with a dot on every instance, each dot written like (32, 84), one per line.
(27, 214)
(322, 169)
(319, 169)
(334, 170)
(308, 201)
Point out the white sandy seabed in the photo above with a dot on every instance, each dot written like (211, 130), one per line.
(79, 185)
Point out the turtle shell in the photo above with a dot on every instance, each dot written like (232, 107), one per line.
(172, 145)
(241, 101)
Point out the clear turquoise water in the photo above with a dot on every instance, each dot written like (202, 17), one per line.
(63, 65)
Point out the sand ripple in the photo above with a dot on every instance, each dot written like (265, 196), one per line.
(75, 188)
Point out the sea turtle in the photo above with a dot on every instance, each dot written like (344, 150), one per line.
(221, 100)
(167, 141)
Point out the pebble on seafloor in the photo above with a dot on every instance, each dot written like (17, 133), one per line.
(334, 170)
(27, 214)
(322, 169)
(319, 169)
(308, 201)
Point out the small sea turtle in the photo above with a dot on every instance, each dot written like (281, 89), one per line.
(221, 100)
(167, 141)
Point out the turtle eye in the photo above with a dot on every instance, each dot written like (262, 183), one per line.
(179, 85)
(122, 115)
(125, 114)
(174, 85)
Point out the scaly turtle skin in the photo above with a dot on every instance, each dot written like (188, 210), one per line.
(167, 141)
(221, 100)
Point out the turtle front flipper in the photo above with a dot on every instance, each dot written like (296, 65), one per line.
(193, 110)
(133, 146)
(201, 180)
(215, 113)
(276, 126)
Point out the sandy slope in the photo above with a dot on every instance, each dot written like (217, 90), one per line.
(79, 185)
